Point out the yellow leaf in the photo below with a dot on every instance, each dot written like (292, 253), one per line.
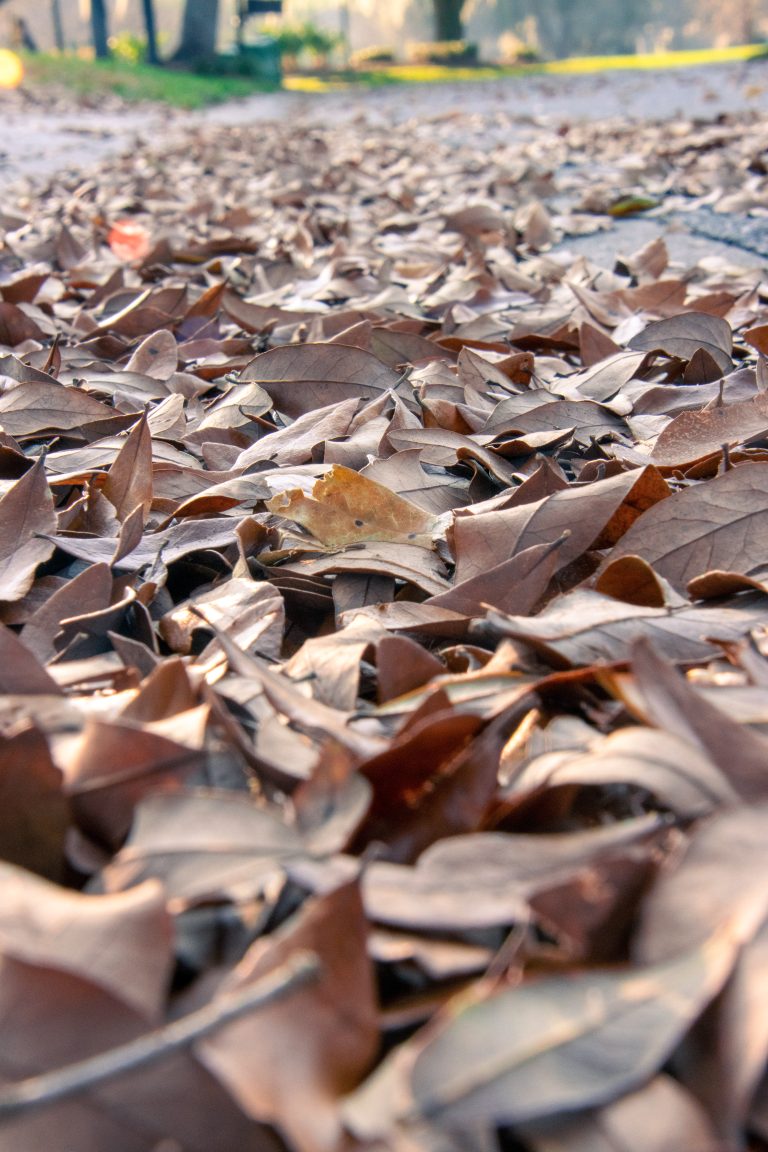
(346, 508)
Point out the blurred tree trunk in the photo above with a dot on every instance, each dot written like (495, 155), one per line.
(448, 25)
(21, 37)
(100, 29)
(198, 32)
(58, 27)
(150, 28)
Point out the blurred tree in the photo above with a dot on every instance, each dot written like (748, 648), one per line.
(21, 37)
(58, 27)
(447, 16)
(100, 29)
(198, 32)
(150, 29)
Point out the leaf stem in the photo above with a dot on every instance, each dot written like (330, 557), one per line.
(51, 1087)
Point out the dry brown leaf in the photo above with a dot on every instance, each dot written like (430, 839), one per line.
(203, 845)
(607, 507)
(679, 775)
(717, 880)
(304, 376)
(484, 880)
(251, 613)
(129, 481)
(256, 1057)
(684, 335)
(693, 435)
(656, 1118)
(346, 508)
(364, 311)
(583, 627)
(36, 405)
(121, 943)
(112, 766)
(717, 525)
(740, 753)
(26, 517)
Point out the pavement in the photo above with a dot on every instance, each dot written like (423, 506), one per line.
(42, 138)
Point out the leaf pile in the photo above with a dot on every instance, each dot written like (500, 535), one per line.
(384, 606)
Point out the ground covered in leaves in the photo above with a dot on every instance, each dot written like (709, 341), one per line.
(383, 757)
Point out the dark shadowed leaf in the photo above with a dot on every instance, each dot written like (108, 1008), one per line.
(16, 327)
(515, 585)
(34, 813)
(402, 665)
(20, 671)
(634, 581)
(332, 804)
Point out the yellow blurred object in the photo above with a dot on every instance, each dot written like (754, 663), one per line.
(11, 69)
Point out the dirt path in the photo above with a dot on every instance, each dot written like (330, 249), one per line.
(39, 139)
